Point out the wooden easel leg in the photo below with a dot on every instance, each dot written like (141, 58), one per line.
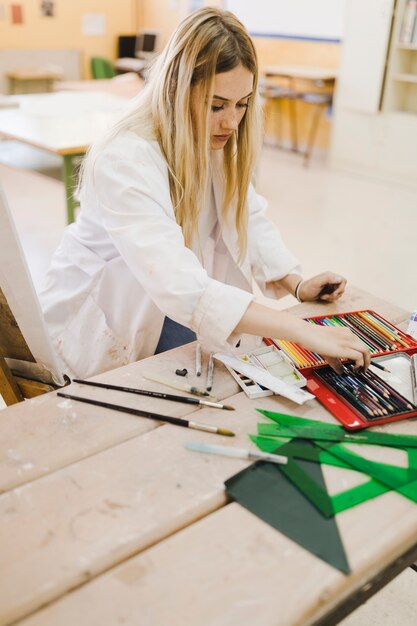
(8, 386)
(32, 388)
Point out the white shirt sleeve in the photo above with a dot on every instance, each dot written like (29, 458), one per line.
(132, 190)
(269, 257)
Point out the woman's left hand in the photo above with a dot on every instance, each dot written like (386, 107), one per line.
(326, 286)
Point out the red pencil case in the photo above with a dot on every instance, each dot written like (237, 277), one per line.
(319, 380)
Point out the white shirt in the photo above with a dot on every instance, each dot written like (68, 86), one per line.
(123, 265)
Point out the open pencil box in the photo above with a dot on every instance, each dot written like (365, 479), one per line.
(362, 400)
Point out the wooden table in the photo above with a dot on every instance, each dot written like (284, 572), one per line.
(125, 85)
(63, 123)
(309, 84)
(114, 509)
(24, 80)
(301, 72)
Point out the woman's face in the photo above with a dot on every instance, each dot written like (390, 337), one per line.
(232, 92)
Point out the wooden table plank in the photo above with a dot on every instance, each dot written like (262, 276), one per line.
(41, 435)
(231, 568)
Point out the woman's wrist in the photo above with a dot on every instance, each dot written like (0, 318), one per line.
(297, 290)
(290, 283)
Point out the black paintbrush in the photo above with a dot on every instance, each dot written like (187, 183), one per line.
(156, 394)
(176, 421)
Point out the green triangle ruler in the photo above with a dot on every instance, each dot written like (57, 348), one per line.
(313, 429)
(264, 490)
(383, 477)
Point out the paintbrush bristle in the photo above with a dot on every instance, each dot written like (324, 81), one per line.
(227, 407)
(225, 432)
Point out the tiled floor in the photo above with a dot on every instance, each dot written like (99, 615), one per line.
(362, 228)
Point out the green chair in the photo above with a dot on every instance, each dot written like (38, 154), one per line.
(101, 68)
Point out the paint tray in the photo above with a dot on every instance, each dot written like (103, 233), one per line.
(273, 361)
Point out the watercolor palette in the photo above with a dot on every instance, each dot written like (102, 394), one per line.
(273, 361)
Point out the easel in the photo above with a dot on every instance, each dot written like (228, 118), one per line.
(15, 388)
(25, 371)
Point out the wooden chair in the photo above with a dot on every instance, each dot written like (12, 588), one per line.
(316, 93)
(102, 68)
(320, 102)
(28, 363)
(277, 94)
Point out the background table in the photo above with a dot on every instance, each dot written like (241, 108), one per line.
(125, 85)
(114, 508)
(29, 80)
(63, 123)
(311, 85)
(302, 72)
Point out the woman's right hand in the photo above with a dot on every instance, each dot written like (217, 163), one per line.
(332, 343)
(335, 344)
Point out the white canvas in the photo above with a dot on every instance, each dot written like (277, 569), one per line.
(16, 284)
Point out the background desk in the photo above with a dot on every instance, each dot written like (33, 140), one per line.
(302, 72)
(125, 85)
(28, 81)
(114, 508)
(311, 85)
(64, 123)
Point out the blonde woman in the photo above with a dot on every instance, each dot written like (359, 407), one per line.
(171, 232)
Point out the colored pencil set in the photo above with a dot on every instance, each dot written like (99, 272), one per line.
(357, 399)
(378, 334)
(367, 393)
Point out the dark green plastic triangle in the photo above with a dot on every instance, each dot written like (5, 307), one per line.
(263, 489)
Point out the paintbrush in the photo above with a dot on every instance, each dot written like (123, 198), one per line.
(176, 421)
(239, 453)
(156, 394)
(210, 373)
(166, 381)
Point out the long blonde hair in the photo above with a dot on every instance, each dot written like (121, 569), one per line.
(208, 42)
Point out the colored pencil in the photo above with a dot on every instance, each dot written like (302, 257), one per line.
(377, 334)
(156, 394)
(379, 366)
(382, 325)
(379, 338)
(348, 395)
(367, 392)
(176, 421)
(365, 337)
(377, 325)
